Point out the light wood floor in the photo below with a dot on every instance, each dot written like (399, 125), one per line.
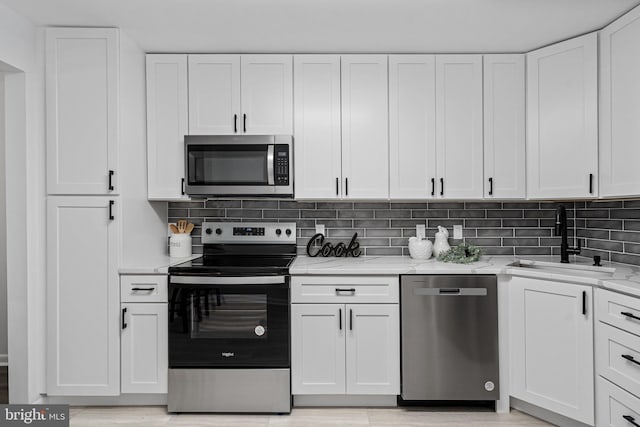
(303, 417)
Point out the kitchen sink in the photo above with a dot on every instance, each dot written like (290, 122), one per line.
(568, 269)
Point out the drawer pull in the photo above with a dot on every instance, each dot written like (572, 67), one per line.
(631, 420)
(340, 318)
(631, 315)
(630, 358)
(340, 290)
(143, 289)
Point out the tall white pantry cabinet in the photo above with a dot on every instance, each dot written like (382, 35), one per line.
(83, 343)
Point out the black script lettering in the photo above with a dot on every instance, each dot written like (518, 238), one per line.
(327, 249)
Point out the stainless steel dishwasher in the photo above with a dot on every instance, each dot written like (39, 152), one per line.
(449, 337)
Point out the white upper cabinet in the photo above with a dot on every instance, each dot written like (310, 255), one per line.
(214, 94)
(562, 117)
(620, 107)
(412, 126)
(83, 353)
(365, 148)
(267, 94)
(459, 126)
(82, 110)
(318, 156)
(504, 127)
(167, 113)
(233, 94)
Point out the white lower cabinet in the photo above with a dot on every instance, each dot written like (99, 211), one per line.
(144, 333)
(345, 348)
(616, 407)
(551, 346)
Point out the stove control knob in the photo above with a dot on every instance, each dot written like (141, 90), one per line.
(218, 231)
(259, 330)
(288, 232)
(278, 232)
(208, 231)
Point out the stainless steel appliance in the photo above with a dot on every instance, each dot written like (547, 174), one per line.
(229, 321)
(449, 327)
(256, 165)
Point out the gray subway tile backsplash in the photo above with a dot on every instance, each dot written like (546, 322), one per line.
(610, 229)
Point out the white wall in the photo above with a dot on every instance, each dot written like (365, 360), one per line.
(3, 235)
(21, 47)
(144, 224)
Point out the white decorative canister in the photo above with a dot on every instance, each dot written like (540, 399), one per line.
(420, 248)
(442, 241)
(180, 245)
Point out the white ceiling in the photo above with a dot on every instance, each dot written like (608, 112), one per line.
(437, 26)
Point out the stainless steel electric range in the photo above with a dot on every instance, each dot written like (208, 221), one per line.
(229, 321)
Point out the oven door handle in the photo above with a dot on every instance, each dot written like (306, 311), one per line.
(271, 180)
(207, 280)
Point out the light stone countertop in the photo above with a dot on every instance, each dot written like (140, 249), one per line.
(155, 265)
(626, 278)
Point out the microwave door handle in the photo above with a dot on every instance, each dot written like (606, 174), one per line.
(270, 175)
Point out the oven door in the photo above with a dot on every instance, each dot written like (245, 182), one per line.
(238, 165)
(229, 322)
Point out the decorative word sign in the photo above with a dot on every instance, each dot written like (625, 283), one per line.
(327, 249)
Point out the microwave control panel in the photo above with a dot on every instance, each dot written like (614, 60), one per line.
(281, 160)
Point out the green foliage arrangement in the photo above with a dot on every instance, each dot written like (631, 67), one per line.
(464, 253)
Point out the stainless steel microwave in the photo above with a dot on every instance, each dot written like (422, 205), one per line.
(253, 165)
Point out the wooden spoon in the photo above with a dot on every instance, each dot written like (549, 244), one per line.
(174, 229)
(189, 228)
(182, 225)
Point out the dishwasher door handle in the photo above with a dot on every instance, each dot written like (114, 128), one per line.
(451, 292)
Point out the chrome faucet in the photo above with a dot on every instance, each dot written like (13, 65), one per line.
(561, 230)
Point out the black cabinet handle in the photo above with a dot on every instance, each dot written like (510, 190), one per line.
(142, 289)
(124, 325)
(111, 180)
(584, 303)
(340, 318)
(433, 186)
(590, 183)
(442, 186)
(352, 290)
(346, 186)
(111, 203)
(631, 420)
(630, 358)
(351, 319)
(235, 123)
(491, 186)
(631, 315)
(244, 123)
(182, 186)
(337, 184)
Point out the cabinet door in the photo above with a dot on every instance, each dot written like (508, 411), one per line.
(562, 117)
(317, 126)
(214, 94)
(267, 94)
(317, 348)
(365, 142)
(82, 110)
(504, 127)
(373, 349)
(144, 337)
(83, 353)
(167, 112)
(620, 107)
(459, 126)
(551, 344)
(412, 126)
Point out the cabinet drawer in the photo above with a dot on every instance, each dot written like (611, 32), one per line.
(614, 406)
(143, 288)
(618, 310)
(618, 357)
(344, 289)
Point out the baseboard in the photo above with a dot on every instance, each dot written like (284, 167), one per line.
(4, 360)
(122, 400)
(543, 414)
(345, 400)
